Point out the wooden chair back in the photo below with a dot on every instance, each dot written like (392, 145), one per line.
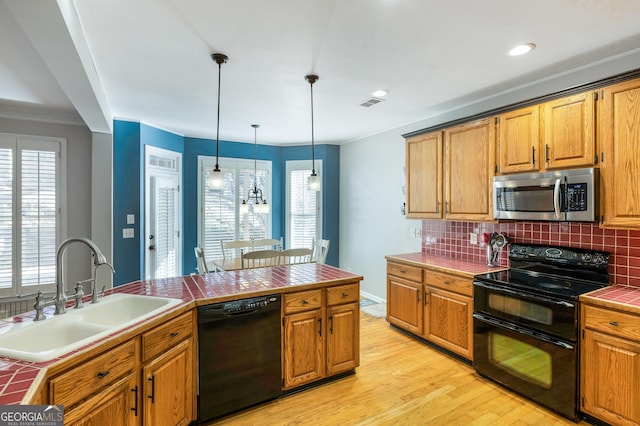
(231, 248)
(202, 263)
(321, 248)
(295, 256)
(259, 258)
(267, 244)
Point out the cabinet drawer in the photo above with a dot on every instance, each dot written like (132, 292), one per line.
(612, 322)
(412, 273)
(92, 376)
(302, 301)
(342, 294)
(457, 284)
(163, 337)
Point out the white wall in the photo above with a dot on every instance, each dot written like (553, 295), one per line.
(371, 176)
(78, 186)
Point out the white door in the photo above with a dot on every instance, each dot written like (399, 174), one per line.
(163, 241)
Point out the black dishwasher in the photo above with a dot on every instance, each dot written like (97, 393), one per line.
(238, 355)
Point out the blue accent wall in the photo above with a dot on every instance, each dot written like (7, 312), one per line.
(129, 140)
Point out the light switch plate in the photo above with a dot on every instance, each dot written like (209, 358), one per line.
(128, 233)
(473, 238)
(131, 219)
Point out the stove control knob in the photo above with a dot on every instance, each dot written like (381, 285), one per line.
(523, 249)
(599, 258)
(587, 257)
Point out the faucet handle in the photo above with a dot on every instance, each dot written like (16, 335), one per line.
(79, 294)
(39, 306)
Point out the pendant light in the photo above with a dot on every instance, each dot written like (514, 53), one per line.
(260, 205)
(216, 177)
(313, 181)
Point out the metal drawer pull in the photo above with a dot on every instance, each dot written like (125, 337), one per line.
(103, 374)
(304, 302)
(320, 326)
(174, 334)
(446, 282)
(345, 294)
(613, 323)
(135, 406)
(402, 271)
(152, 397)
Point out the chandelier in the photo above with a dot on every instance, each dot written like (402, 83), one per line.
(254, 195)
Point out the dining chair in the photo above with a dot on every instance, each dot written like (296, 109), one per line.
(267, 244)
(320, 250)
(202, 263)
(259, 258)
(230, 247)
(296, 255)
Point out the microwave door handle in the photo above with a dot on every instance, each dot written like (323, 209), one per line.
(556, 199)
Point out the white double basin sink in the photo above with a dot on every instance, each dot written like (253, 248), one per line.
(44, 340)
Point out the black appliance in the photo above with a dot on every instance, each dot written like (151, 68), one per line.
(238, 355)
(526, 321)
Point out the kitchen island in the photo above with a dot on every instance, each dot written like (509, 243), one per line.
(30, 382)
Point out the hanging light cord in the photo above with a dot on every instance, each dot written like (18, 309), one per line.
(313, 157)
(217, 168)
(255, 161)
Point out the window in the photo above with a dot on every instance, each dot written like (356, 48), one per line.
(303, 206)
(30, 212)
(220, 217)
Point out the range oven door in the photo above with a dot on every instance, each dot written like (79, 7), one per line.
(539, 367)
(551, 316)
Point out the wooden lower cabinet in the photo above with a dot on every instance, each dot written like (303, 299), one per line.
(148, 380)
(168, 387)
(303, 359)
(448, 321)
(610, 365)
(323, 339)
(438, 308)
(405, 297)
(116, 405)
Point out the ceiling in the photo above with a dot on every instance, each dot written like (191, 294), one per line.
(149, 60)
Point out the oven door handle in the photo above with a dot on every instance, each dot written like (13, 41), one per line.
(521, 330)
(523, 294)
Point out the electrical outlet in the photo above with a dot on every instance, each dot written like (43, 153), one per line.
(473, 238)
(413, 232)
(418, 232)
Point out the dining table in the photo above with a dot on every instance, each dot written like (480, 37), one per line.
(224, 264)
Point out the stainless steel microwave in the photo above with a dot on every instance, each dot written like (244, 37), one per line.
(563, 195)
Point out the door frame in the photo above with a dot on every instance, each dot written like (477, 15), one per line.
(166, 164)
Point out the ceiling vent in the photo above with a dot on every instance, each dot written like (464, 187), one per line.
(371, 102)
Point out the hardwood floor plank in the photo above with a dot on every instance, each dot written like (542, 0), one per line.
(400, 381)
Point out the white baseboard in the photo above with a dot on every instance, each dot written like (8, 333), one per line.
(372, 297)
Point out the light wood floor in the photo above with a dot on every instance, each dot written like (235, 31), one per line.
(400, 381)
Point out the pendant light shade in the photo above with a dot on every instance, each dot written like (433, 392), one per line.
(254, 195)
(216, 176)
(314, 182)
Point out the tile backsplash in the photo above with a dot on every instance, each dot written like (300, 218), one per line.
(452, 239)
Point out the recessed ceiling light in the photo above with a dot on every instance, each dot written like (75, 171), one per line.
(521, 49)
(380, 93)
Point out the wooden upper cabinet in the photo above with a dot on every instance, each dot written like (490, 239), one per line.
(554, 135)
(568, 132)
(469, 169)
(424, 176)
(519, 136)
(619, 139)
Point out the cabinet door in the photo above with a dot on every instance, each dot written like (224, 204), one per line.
(519, 137)
(469, 170)
(619, 136)
(424, 176)
(343, 338)
(168, 389)
(448, 321)
(610, 378)
(303, 348)
(568, 131)
(116, 405)
(404, 304)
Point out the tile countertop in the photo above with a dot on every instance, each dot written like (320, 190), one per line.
(444, 264)
(16, 377)
(620, 297)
